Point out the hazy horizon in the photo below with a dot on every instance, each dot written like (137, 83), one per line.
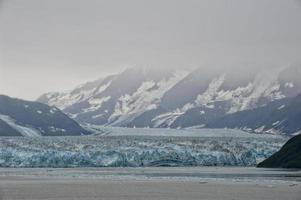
(56, 45)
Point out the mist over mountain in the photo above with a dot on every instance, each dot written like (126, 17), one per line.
(146, 97)
(281, 116)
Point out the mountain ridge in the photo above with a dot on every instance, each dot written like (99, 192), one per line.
(26, 118)
(171, 99)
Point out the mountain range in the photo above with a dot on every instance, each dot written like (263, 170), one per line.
(27, 118)
(262, 101)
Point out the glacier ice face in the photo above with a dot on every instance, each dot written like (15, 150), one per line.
(135, 151)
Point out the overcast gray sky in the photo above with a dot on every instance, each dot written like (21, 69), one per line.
(50, 45)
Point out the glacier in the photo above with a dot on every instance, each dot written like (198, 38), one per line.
(111, 149)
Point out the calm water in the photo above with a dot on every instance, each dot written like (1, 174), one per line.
(174, 173)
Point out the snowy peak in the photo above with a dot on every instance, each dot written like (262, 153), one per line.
(282, 117)
(148, 97)
(79, 94)
(117, 98)
(222, 94)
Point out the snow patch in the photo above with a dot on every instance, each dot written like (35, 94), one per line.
(281, 107)
(97, 116)
(96, 103)
(23, 130)
(276, 123)
(296, 133)
(55, 129)
(273, 131)
(209, 96)
(53, 110)
(260, 129)
(166, 119)
(103, 87)
(289, 85)
(68, 98)
(147, 97)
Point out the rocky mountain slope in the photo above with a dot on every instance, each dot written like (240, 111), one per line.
(26, 118)
(289, 156)
(282, 116)
(144, 97)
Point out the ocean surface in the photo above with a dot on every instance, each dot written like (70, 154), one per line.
(150, 183)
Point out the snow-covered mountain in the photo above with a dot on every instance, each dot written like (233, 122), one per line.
(118, 99)
(144, 97)
(282, 116)
(26, 118)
